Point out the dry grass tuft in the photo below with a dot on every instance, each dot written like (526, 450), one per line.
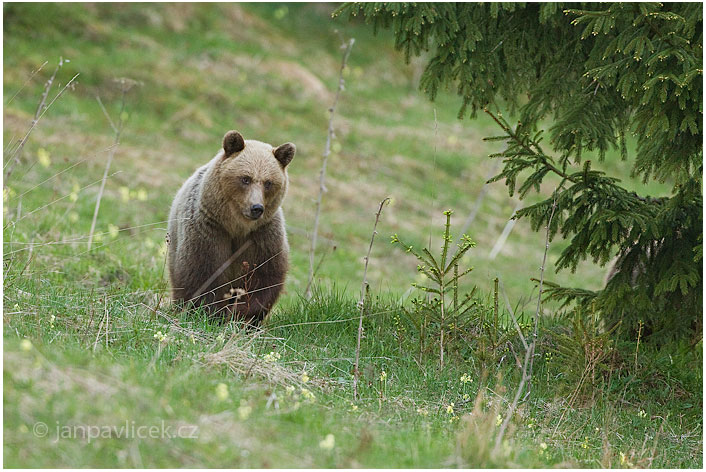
(238, 355)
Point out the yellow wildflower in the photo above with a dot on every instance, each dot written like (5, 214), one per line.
(162, 338)
(542, 448)
(222, 391)
(307, 395)
(272, 356)
(43, 156)
(244, 411)
(624, 460)
(73, 196)
(328, 443)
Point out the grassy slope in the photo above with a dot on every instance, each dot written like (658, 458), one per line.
(267, 72)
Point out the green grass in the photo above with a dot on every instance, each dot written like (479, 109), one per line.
(74, 377)
(269, 71)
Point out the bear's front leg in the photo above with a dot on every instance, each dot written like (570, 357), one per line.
(263, 285)
(198, 277)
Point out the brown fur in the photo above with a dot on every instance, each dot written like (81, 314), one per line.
(218, 256)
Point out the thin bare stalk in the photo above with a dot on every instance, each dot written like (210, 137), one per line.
(455, 291)
(541, 284)
(529, 353)
(31, 76)
(361, 303)
(107, 116)
(637, 347)
(322, 172)
(442, 289)
(506, 232)
(125, 86)
(495, 313)
(221, 269)
(57, 200)
(477, 205)
(433, 188)
(105, 304)
(512, 315)
(41, 110)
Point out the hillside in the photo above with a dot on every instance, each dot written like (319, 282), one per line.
(104, 346)
(273, 80)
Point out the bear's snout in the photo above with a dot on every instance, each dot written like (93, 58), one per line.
(256, 211)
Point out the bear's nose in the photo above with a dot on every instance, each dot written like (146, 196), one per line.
(256, 211)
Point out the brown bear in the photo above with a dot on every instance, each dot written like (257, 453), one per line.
(228, 249)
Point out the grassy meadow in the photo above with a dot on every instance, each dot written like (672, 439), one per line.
(91, 343)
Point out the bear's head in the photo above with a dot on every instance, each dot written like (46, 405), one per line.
(253, 178)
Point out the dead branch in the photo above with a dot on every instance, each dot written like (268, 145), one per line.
(41, 110)
(529, 353)
(361, 303)
(125, 86)
(322, 172)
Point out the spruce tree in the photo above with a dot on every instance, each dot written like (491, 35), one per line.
(599, 73)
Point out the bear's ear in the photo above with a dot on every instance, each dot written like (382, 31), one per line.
(233, 142)
(285, 153)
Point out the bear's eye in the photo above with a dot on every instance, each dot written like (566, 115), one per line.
(268, 184)
(245, 180)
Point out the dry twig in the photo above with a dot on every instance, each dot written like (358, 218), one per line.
(478, 203)
(361, 303)
(125, 86)
(41, 110)
(529, 353)
(322, 172)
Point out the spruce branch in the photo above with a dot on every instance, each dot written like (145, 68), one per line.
(597, 76)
